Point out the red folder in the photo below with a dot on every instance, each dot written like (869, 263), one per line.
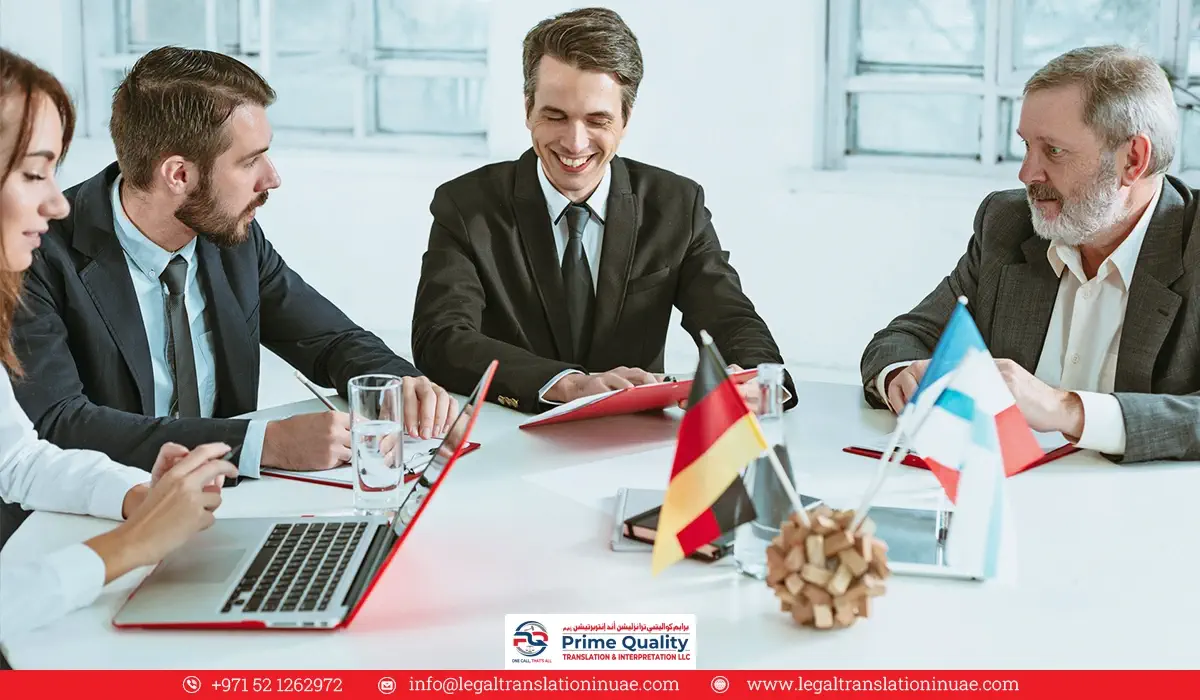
(913, 460)
(634, 399)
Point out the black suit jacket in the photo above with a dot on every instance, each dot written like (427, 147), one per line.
(80, 336)
(491, 283)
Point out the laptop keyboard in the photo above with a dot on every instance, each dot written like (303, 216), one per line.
(297, 569)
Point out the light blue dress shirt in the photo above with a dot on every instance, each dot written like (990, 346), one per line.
(146, 263)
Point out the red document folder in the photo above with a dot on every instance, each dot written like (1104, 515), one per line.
(913, 460)
(634, 399)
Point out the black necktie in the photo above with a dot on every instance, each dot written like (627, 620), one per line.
(577, 279)
(186, 401)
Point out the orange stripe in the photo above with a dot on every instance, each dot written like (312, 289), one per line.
(696, 487)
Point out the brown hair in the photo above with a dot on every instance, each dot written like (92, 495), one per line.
(22, 81)
(176, 101)
(592, 38)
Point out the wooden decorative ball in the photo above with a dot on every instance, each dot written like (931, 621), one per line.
(823, 575)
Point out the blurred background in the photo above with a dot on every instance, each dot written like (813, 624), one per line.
(844, 145)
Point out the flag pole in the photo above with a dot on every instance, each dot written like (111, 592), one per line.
(788, 488)
(886, 460)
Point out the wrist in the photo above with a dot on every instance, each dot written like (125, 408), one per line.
(558, 393)
(133, 500)
(268, 458)
(1071, 412)
(119, 551)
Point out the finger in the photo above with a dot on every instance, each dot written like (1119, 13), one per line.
(441, 410)
(210, 500)
(172, 451)
(341, 455)
(197, 459)
(614, 381)
(429, 401)
(451, 413)
(411, 407)
(641, 376)
(908, 387)
(209, 471)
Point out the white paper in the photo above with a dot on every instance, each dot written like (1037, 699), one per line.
(417, 454)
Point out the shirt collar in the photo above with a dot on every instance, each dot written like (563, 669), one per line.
(557, 203)
(1123, 259)
(145, 253)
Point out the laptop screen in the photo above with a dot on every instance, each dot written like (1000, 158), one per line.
(450, 446)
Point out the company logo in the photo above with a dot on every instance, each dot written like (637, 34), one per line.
(531, 638)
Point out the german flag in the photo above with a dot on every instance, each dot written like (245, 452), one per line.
(719, 436)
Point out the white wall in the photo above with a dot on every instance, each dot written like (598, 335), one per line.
(729, 98)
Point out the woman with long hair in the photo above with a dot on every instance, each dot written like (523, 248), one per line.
(158, 511)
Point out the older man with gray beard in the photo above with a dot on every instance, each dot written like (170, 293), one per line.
(1085, 284)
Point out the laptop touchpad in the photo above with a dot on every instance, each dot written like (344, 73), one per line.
(200, 566)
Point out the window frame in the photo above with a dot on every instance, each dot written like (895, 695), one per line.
(105, 50)
(1000, 81)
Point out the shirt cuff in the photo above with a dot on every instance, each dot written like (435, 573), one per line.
(80, 573)
(552, 382)
(252, 448)
(1103, 424)
(108, 498)
(881, 381)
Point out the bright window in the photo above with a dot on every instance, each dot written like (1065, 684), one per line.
(405, 74)
(937, 83)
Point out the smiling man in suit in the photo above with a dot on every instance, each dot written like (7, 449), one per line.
(145, 310)
(565, 264)
(1084, 284)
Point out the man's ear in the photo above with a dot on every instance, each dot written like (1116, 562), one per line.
(176, 174)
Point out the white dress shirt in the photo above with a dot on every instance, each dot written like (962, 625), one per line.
(593, 234)
(146, 263)
(41, 476)
(1080, 351)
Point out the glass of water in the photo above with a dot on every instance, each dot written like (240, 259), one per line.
(376, 441)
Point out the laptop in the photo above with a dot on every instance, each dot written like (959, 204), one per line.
(289, 573)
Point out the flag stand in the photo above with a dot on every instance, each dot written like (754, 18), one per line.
(886, 459)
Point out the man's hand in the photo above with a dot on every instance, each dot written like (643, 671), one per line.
(309, 442)
(574, 386)
(1046, 408)
(903, 383)
(428, 408)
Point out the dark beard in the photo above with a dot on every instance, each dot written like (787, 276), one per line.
(202, 213)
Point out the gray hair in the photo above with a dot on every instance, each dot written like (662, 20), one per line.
(1125, 93)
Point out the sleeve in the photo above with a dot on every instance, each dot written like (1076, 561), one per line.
(913, 335)
(711, 298)
(310, 333)
(51, 392)
(1103, 424)
(35, 593)
(38, 475)
(448, 341)
(250, 462)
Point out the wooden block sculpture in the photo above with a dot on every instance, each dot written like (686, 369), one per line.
(824, 575)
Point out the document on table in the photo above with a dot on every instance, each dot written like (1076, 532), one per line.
(417, 454)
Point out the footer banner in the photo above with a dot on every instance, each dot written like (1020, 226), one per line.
(130, 685)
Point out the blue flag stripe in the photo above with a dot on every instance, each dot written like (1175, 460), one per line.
(961, 334)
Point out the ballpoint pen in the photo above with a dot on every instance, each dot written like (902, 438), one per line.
(316, 392)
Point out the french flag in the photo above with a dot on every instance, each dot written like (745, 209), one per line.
(963, 411)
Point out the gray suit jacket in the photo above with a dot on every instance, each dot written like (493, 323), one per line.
(1011, 289)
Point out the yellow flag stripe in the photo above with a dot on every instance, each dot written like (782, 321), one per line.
(697, 487)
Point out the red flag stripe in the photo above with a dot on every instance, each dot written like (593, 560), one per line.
(701, 531)
(706, 422)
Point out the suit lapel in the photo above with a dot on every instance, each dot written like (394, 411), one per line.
(1152, 305)
(108, 283)
(616, 257)
(537, 239)
(1024, 302)
(235, 357)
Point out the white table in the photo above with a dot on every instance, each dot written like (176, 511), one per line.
(1105, 576)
